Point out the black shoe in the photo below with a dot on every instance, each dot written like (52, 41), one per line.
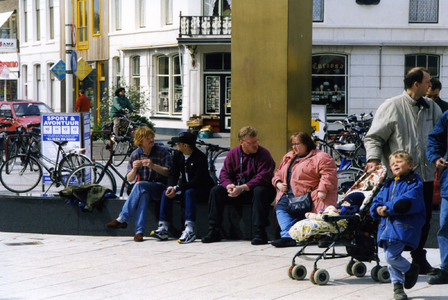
(212, 236)
(425, 267)
(324, 244)
(261, 238)
(440, 278)
(399, 293)
(411, 276)
(284, 242)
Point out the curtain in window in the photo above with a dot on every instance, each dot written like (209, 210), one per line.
(230, 3)
(423, 10)
(208, 7)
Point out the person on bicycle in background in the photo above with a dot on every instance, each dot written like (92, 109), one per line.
(245, 179)
(194, 185)
(150, 166)
(118, 108)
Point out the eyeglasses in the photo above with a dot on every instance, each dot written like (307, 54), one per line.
(432, 96)
(252, 143)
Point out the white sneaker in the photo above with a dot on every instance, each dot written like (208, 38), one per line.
(161, 233)
(187, 237)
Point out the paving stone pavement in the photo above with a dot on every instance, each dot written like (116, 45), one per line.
(35, 266)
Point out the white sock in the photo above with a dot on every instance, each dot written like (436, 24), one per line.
(119, 219)
(164, 224)
(189, 228)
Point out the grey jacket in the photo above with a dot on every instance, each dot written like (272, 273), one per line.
(399, 124)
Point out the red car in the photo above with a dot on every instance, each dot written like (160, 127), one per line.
(24, 111)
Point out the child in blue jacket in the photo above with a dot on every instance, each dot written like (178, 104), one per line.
(400, 208)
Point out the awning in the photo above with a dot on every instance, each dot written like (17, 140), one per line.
(4, 17)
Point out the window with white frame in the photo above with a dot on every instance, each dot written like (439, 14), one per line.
(25, 21)
(430, 62)
(423, 11)
(25, 81)
(141, 13)
(217, 8)
(135, 71)
(52, 85)
(38, 82)
(168, 12)
(169, 85)
(9, 28)
(51, 17)
(117, 71)
(37, 6)
(117, 16)
(318, 10)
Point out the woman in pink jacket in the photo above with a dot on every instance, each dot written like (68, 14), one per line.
(302, 170)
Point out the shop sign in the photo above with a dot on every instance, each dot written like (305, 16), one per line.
(8, 45)
(84, 69)
(59, 70)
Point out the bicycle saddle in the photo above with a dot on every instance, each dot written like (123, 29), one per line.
(345, 147)
(60, 143)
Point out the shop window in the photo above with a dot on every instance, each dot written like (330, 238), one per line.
(217, 62)
(423, 11)
(117, 14)
(329, 82)
(38, 82)
(169, 85)
(428, 61)
(25, 20)
(37, 6)
(217, 8)
(135, 71)
(141, 13)
(318, 10)
(82, 17)
(96, 17)
(51, 16)
(117, 71)
(9, 28)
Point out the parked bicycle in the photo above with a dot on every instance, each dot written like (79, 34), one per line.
(214, 153)
(98, 174)
(23, 172)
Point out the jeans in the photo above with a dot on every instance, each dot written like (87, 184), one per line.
(396, 264)
(442, 234)
(189, 196)
(142, 193)
(285, 220)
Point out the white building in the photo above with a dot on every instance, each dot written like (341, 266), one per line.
(180, 52)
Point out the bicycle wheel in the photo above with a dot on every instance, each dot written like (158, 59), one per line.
(121, 152)
(69, 163)
(217, 164)
(347, 178)
(91, 173)
(359, 158)
(19, 174)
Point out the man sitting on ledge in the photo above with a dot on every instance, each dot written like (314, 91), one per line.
(150, 165)
(245, 179)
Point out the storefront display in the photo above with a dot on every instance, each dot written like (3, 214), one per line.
(8, 90)
(212, 93)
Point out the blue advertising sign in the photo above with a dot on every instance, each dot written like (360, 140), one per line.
(74, 61)
(58, 70)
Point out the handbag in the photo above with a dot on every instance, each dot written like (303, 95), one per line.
(298, 206)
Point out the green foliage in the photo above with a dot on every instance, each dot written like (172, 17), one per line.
(96, 136)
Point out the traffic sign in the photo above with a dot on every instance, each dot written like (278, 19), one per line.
(74, 61)
(73, 35)
(84, 69)
(58, 70)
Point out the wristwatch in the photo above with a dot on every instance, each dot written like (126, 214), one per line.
(242, 189)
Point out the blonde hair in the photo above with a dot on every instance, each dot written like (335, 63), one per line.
(141, 134)
(247, 130)
(402, 154)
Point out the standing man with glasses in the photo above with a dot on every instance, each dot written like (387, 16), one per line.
(433, 93)
(245, 179)
(404, 123)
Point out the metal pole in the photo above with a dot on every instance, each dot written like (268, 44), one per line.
(68, 52)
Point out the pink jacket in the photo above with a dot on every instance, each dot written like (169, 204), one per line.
(315, 172)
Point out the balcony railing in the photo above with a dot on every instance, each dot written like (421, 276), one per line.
(202, 25)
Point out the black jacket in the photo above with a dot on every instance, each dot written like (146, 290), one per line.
(197, 170)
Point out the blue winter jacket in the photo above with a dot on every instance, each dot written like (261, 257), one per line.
(437, 148)
(406, 212)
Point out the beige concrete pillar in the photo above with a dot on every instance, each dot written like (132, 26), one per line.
(271, 70)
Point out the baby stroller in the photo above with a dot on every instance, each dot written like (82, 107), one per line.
(357, 233)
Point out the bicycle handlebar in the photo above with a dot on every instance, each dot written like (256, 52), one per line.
(214, 147)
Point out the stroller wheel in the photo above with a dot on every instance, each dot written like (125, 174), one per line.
(312, 277)
(359, 269)
(374, 273)
(348, 267)
(321, 277)
(290, 272)
(384, 275)
(299, 272)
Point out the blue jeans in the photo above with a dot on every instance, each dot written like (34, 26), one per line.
(396, 264)
(142, 193)
(285, 220)
(189, 196)
(442, 234)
